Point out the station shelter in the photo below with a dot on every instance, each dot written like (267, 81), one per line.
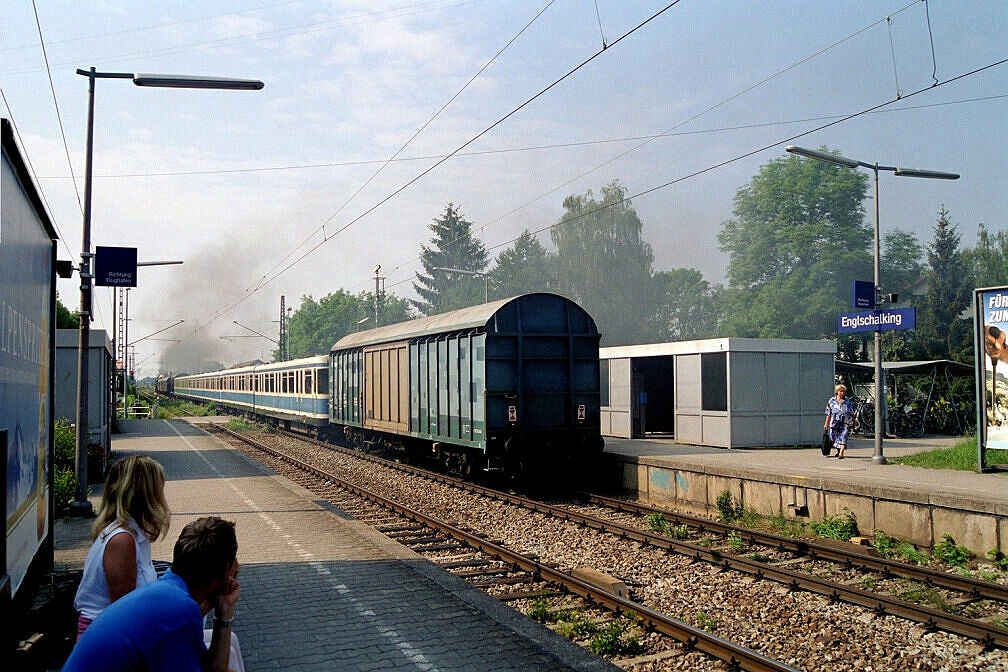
(722, 392)
(101, 380)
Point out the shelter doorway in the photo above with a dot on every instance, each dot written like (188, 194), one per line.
(653, 386)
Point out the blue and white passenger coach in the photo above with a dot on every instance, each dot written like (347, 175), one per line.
(295, 393)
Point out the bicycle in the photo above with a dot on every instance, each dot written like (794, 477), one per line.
(864, 416)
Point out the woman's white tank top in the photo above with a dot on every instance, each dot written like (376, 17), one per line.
(93, 593)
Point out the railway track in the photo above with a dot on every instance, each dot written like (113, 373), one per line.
(854, 559)
(425, 532)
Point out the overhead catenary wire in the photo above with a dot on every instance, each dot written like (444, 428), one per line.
(415, 134)
(745, 155)
(693, 117)
(319, 26)
(425, 172)
(530, 148)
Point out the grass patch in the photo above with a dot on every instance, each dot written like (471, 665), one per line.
(241, 425)
(704, 621)
(925, 595)
(962, 457)
(170, 407)
(1001, 623)
(735, 542)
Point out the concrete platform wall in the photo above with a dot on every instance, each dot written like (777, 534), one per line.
(920, 518)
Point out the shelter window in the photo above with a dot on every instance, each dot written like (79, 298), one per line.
(714, 381)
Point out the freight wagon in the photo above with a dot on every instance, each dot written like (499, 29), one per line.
(490, 387)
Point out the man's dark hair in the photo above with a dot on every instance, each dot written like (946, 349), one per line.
(203, 551)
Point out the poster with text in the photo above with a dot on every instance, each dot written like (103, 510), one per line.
(993, 312)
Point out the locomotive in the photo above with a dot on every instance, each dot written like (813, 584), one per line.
(493, 387)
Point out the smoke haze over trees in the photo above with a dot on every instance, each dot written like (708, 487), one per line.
(798, 239)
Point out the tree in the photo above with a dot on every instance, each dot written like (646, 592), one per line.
(988, 261)
(523, 268)
(453, 246)
(901, 261)
(64, 318)
(316, 325)
(687, 306)
(942, 331)
(797, 241)
(604, 264)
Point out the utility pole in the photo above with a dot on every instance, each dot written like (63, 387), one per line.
(377, 279)
(284, 350)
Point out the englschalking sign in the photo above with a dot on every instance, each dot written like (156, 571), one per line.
(877, 320)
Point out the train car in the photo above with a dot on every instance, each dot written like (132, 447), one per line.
(491, 387)
(293, 394)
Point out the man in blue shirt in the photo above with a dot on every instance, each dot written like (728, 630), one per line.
(159, 626)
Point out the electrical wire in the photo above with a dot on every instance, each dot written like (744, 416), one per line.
(59, 117)
(412, 137)
(279, 33)
(425, 172)
(530, 148)
(745, 155)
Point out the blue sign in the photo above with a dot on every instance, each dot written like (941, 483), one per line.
(877, 320)
(115, 266)
(864, 294)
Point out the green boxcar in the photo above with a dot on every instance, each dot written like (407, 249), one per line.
(488, 386)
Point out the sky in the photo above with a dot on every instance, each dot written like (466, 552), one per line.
(290, 191)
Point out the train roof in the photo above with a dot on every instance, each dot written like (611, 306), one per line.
(472, 317)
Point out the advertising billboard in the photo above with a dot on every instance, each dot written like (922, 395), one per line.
(991, 308)
(26, 285)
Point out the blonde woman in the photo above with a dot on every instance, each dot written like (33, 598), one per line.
(839, 418)
(133, 513)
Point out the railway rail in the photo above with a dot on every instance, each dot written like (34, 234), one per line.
(988, 634)
(735, 656)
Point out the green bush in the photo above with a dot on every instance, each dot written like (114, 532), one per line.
(65, 439)
(728, 509)
(949, 553)
(884, 544)
(64, 489)
(735, 542)
(841, 528)
(998, 558)
(610, 642)
(657, 523)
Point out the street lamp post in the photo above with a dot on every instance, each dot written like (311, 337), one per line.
(880, 398)
(478, 274)
(81, 506)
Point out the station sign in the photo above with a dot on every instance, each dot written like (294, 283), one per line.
(864, 294)
(115, 266)
(877, 320)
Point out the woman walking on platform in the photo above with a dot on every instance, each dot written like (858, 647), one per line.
(839, 417)
(132, 514)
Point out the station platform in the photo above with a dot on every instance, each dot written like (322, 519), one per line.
(913, 503)
(321, 591)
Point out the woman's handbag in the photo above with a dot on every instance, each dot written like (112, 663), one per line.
(827, 444)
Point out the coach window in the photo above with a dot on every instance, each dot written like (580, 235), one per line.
(308, 383)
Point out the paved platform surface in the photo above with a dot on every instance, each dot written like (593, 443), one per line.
(856, 470)
(321, 591)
